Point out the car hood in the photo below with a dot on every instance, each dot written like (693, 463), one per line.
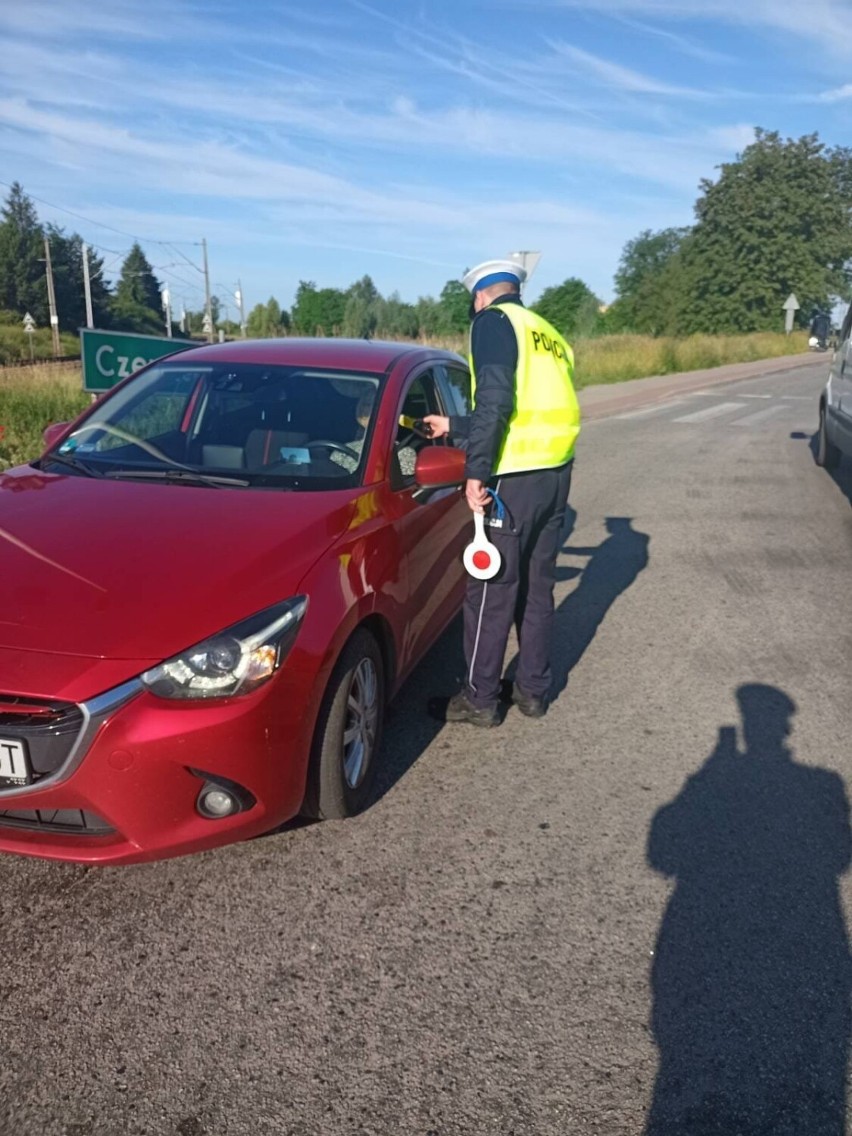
(138, 570)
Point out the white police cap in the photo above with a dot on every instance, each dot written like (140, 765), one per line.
(494, 272)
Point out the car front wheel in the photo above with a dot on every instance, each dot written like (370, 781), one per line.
(827, 454)
(348, 734)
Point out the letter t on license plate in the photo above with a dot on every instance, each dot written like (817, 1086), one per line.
(14, 763)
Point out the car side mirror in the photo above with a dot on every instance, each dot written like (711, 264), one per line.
(53, 433)
(439, 467)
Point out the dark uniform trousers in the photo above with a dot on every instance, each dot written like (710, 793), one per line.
(522, 591)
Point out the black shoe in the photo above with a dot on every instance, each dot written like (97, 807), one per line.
(461, 709)
(531, 707)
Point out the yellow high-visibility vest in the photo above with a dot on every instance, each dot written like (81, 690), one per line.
(545, 424)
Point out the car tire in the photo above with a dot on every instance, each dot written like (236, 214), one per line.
(348, 734)
(827, 454)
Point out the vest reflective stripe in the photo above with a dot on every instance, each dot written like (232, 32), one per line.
(544, 427)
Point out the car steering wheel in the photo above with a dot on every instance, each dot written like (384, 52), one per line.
(327, 442)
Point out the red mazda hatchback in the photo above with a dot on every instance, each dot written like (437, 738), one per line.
(212, 582)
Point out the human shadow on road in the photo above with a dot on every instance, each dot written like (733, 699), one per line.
(751, 973)
(611, 568)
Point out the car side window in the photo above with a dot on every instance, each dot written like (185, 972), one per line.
(458, 391)
(421, 398)
(847, 326)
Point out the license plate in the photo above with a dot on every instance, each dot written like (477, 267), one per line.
(14, 763)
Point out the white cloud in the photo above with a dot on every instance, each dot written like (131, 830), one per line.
(840, 94)
(824, 21)
(623, 78)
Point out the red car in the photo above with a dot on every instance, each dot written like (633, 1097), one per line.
(213, 580)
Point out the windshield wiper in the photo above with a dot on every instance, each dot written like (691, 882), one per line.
(188, 476)
(72, 463)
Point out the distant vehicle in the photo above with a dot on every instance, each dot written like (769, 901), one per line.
(212, 582)
(834, 438)
(820, 332)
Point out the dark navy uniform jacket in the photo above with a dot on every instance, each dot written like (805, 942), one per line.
(495, 360)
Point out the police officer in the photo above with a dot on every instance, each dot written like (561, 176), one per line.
(520, 442)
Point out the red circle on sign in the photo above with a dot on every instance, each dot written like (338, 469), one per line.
(481, 560)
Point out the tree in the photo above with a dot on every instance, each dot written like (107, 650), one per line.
(776, 221)
(428, 312)
(454, 304)
(360, 315)
(318, 311)
(66, 254)
(22, 277)
(572, 308)
(137, 305)
(266, 321)
(396, 319)
(646, 282)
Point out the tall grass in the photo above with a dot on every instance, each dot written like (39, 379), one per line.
(33, 397)
(616, 358)
(30, 399)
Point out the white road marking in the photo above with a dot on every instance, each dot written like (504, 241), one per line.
(711, 412)
(756, 396)
(760, 416)
(648, 410)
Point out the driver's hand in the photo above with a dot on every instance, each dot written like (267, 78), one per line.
(440, 424)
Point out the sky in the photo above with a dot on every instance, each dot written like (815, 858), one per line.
(404, 139)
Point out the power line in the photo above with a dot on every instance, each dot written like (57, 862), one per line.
(111, 228)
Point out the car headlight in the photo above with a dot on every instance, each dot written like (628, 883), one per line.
(235, 661)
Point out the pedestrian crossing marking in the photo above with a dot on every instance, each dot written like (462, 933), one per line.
(649, 410)
(711, 412)
(760, 416)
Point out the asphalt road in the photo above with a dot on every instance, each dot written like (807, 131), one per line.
(625, 918)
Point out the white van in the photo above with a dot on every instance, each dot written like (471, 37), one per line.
(835, 404)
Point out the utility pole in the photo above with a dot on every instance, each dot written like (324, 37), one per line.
(51, 299)
(208, 309)
(239, 298)
(87, 284)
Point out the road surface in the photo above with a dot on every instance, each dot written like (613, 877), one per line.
(625, 918)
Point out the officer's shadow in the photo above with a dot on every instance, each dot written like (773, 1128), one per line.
(751, 972)
(611, 568)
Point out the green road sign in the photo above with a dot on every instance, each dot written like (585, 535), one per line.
(110, 356)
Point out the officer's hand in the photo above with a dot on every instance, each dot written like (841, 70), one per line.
(440, 424)
(477, 498)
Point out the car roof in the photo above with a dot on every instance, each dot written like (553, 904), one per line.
(345, 354)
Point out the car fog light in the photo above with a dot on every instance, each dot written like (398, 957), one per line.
(215, 803)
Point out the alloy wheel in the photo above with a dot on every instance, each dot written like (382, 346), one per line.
(362, 715)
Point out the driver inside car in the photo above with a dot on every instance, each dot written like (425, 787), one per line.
(407, 454)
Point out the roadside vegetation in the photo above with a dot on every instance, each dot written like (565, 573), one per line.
(616, 358)
(33, 397)
(30, 399)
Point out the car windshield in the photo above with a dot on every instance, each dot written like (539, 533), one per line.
(246, 424)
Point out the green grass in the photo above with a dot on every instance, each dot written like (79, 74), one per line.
(33, 397)
(616, 358)
(30, 399)
(15, 344)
